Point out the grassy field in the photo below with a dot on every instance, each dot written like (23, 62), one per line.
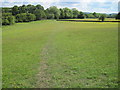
(60, 54)
(106, 19)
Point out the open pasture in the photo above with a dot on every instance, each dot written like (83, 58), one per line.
(60, 54)
(96, 19)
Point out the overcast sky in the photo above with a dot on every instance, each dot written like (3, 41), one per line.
(100, 6)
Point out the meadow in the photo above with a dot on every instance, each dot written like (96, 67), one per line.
(60, 54)
(96, 19)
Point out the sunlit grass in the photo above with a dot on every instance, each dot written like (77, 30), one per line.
(80, 55)
(96, 19)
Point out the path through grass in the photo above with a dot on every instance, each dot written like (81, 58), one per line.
(60, 54)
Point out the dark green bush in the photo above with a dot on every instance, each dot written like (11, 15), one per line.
(118, 16)
(25, 17)
(40, 14)
(102, 17)
(30, 17)
(5, 22)
(50, 16)
(8, 19)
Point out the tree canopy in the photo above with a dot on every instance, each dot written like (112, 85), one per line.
(27, 13)
(118, 16)
(102, 17)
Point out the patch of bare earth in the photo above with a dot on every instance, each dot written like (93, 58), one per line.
(43, 77)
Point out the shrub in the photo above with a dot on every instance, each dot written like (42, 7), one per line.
(25, 17)
(40, 14)
(50, 16)
(118, 16)
(19, 18)
(102, 17)
(5, 22)
(11, 20)
(30, 17)
(8, 19)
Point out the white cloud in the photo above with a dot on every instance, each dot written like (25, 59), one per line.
(48, 3)
(83, 5)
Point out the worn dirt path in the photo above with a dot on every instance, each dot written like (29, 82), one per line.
(44, 78)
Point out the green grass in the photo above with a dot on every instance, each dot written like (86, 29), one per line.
(76, 55)
(106, 19)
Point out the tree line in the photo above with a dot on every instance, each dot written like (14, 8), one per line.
(28, 13)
